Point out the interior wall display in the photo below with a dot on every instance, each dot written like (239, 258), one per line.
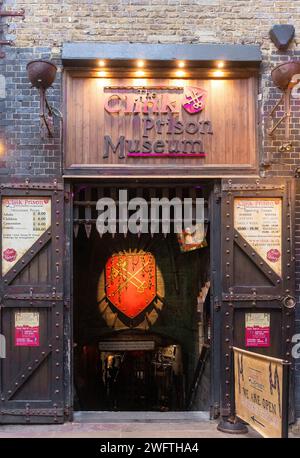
(126, 345)
(27, 330)
(129, 121)
(259, 222)
(24, 220)
(131, 281)
(257, 329)
(261, 392)
(192, 240)
(130, 290)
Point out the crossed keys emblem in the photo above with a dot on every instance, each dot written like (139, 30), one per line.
(140, 285)
(194, 100)
(130, 281)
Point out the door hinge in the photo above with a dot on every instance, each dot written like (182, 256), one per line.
(217, 305)
(215, 411)
(67, 196)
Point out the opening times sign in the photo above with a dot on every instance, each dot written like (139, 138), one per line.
(257, 329)
(261, 392)
(24, 220)
(259, 221)
(27, 329)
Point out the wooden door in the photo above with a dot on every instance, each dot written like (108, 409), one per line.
(258, 281)
(32, 307)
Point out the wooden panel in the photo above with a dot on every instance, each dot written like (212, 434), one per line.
(250, 283)
(229, 108)
(31, 382)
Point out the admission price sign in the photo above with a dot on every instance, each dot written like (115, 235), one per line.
(261, 392)
(24, 220)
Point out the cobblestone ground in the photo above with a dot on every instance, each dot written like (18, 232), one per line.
(120, 430)
(108, 425)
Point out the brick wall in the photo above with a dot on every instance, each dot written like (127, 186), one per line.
(49, 23)
(25, 151)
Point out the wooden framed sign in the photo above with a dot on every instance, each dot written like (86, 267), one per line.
(261, 392)
(24, 220)
(259, 222)
(118, 124)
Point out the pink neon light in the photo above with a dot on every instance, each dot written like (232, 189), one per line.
(183, 155)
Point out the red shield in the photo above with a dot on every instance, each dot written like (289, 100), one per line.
(130, 281)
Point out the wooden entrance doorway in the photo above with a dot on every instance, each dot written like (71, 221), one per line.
(179, 312)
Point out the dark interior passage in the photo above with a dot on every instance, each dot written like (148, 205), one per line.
(147, 361)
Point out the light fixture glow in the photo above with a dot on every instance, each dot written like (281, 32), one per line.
(140, 73)
(101, 63)
(220, 64)
(181, 64)
(1, 148)
(218, 73)
(179, 73)
(102, 73)
(140, 63)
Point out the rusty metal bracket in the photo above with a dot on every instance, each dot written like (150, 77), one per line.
(249, 297)
(20, 13)
(32, 297)
(32, 186)
(55, 412)
(6, 42)
(258, 186)
(286, 100)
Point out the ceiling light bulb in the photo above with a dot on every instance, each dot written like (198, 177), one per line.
(218, 73)
(140, 73)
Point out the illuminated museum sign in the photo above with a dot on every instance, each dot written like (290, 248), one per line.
(155, 112)
(163, 124)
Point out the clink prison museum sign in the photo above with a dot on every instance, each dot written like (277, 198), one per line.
(147, 107)
(191, 123)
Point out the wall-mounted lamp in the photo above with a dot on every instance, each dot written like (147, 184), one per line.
(41, 74)
(282, 35)
(286, 77)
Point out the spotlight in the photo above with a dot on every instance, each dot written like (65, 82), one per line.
(180, 73)
(218, 73)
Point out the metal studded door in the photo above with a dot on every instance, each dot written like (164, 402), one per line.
(31, 320)
(258, 301)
